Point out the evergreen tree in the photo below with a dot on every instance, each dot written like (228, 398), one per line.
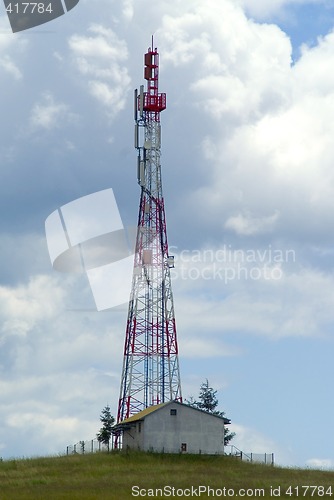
(108, 421)
(207, 401)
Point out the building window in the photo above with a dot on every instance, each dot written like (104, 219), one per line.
(173, 411)
(184, 447)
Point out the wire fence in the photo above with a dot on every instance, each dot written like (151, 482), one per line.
(95, 446)
(90, 446)
(262, 458)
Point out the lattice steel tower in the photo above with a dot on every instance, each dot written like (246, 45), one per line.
(150, 368)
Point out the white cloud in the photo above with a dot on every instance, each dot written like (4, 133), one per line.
(101, 58)
(247, 224)
(320, 463)
(112, 98)
(11, 48)
(48, 113)
(267, 144)
(251, 441)
(44, 414)
(10, 67)
(258, 292)
(23, 307)
(128, 9)
(42, 422)
(237, 52)
(58, 367)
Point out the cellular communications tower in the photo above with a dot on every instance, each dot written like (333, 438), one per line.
(150, 372)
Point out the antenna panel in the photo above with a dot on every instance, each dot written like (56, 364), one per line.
(142, 173)
(135, 110)
(141, 100)
(136, 136)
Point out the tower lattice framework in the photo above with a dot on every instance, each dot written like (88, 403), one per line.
(150, 372)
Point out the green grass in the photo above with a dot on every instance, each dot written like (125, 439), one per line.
(103, 476)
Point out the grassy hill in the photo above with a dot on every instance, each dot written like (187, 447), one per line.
(103, 476)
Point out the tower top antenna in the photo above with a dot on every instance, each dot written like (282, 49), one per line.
(152, 102)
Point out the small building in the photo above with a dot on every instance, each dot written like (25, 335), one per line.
(174, 427)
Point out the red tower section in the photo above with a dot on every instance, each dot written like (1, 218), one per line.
(154, 102)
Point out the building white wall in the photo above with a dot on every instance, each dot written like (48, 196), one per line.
(163, 432)
(133, 438)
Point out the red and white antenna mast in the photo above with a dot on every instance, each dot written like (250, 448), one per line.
(151, 367)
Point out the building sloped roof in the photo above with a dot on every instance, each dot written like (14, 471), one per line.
(126, 423)
(142, 414)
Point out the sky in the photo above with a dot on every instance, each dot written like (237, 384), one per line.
(248, 179)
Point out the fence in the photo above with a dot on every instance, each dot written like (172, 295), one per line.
(94, 446)
(262, 458)
(91, 446)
